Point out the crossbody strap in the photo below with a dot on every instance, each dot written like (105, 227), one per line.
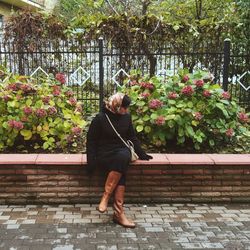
(117, 132)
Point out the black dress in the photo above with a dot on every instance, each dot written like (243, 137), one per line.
(104, 148)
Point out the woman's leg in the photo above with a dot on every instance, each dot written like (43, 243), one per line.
(119, 216)
(110, 184)
(118, 166)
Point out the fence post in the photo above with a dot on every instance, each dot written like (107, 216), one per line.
(101, 72)
(226, 63)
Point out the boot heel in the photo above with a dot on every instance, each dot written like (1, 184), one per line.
(100, 211)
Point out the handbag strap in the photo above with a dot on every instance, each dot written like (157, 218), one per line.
(117, 132)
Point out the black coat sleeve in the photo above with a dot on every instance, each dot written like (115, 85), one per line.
(92, 142)
(137, 145)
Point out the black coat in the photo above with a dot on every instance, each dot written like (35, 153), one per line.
(102, 140)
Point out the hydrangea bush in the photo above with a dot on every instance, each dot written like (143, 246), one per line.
(41, 113)
(185, 107)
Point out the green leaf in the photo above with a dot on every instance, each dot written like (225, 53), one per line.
(28, 102)
(140, 103)
(190, 130)
(27, 134)
(180, 132)
(153, 116)
(171, 101)
(190, 104)
(147, 129)
(211, 142)
(139, 128)
(195, 123)
(45, 145)
(146, 118)
(169, 117)
(171, 123)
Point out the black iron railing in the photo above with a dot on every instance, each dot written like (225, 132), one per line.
(92, 69)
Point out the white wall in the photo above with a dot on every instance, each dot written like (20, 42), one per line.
(50, 4)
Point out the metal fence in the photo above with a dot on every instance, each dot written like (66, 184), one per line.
(95, 69)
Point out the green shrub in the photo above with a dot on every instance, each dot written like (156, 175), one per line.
(185, 107)
(41, 113)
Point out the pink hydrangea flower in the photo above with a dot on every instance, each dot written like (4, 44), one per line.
(27, 110)
(206, 93)
(72, 101)
(199, 83)
(15, 124)
(26, 88)
(187, 90)
(13, 86)
(6, 98)
(160, 120)
(225, 95)
(172, 95)
(133, 83)
(198, 116)
(52, 110)
(69, 93)
(61, 78)
(41, 113)
(76, 130)
(185, 78)
(229, 132)
(56, 90)
(147, 85)
(145, 95)
(243, 117)
(46, 99)
(155, 104)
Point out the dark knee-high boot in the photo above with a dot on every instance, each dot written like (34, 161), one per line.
(110, 184)
(119, 216)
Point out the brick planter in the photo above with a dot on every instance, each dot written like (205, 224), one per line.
(61, 178)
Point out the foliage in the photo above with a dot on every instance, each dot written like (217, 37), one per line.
(26, 27)
(146, 27)
(185, 108)
(38, 112)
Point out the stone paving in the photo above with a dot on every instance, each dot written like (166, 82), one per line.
(161, 226)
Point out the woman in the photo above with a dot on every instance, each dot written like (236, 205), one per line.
(106, 149)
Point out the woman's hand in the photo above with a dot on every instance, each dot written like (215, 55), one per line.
(146, 157)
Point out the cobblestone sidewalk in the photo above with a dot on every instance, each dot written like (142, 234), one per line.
(162, 226)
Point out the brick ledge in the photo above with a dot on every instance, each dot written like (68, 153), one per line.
(158, 159)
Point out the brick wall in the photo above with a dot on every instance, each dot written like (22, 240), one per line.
(167, 178)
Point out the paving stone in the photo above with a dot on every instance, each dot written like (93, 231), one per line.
(170, 226)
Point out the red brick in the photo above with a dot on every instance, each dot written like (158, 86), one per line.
(172, 171)
(26, 171)
(242, 188)
(47, 183)
(68, 194)
(7, 171)
(224, 188)
(233, 171)
(43, 195)
(201, 188)
(37, 177)
(193, 171)
(46, 171)
(68, 183)
(152, 172)
(211, 194)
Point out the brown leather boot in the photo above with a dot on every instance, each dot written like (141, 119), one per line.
(111, 183)
(119, 216)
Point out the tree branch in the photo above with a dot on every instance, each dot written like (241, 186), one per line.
(112, 7)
